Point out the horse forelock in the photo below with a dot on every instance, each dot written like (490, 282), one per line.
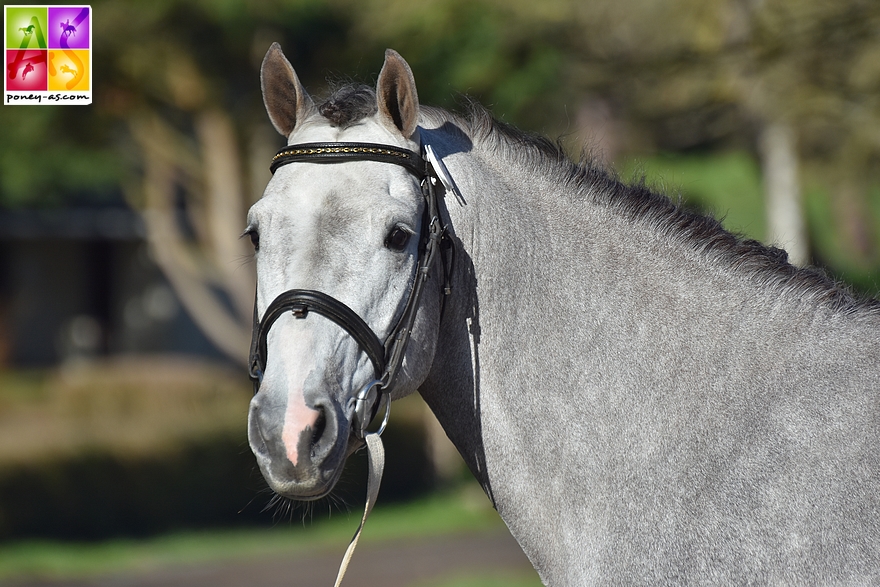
(348, 104)
(588, 180)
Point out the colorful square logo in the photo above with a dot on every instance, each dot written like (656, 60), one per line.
(69, 27)
(48, 54)
(26, 71)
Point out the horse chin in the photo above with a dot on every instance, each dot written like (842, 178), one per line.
(314, 489)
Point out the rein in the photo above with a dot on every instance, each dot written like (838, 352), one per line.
(386, 357)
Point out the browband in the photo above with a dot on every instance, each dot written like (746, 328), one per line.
(336, 152)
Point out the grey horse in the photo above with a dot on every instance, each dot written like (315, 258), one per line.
(646, 398)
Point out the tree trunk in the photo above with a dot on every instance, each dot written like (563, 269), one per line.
(779, 163)
(198, 269)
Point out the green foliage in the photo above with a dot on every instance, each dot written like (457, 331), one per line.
(437, 515)
(484, 49)
(728, 186)
(832, 251)
(171, 57)
(176, 57)
(685, 74)
(55, 154)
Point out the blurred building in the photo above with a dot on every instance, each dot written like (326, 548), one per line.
(80, 282)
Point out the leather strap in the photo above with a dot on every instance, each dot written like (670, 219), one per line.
(387, 358)
(376, 464)
(336, 152)
(302, 301)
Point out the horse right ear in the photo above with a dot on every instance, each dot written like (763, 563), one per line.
(396, 95)
(286, 100)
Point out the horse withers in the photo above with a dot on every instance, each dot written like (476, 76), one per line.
(646, 398)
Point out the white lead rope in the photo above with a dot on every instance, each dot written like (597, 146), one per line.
(375, 464)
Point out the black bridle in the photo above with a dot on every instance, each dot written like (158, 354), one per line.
(386, 357)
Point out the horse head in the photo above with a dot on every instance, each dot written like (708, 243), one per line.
(353, 231)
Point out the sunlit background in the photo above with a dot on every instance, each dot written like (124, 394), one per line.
(126, 295)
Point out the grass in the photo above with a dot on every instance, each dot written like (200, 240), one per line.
(464, 510)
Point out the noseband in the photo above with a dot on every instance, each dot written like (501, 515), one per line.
(386, 357)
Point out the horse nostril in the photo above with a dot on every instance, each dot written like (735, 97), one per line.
(318, 429)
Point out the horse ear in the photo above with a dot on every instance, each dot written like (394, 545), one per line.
(286, 100)
(396, 94)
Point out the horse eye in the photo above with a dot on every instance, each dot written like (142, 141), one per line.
(254, 236)
(397, 238)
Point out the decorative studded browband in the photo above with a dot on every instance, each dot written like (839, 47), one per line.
(335, 152)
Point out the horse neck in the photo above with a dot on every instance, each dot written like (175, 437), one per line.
(596, 364)
(513, 239)
(560, 297)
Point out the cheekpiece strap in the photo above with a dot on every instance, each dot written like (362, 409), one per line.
(336, 152)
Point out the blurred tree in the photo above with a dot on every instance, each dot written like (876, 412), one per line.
(787, 79)
(183, 78)
(785, 220)
(178, 125)
(50, 156)
(511, 62)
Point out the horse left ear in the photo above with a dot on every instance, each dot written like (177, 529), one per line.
(396, 94)
(286, 100)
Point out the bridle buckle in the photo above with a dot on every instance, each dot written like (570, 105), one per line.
(363, 412)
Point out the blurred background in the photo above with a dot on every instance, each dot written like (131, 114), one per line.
(126, 294)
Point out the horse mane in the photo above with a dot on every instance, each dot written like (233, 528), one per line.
(348, 103)
(767, 265)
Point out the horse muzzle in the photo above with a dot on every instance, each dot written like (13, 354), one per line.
(301, 455)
